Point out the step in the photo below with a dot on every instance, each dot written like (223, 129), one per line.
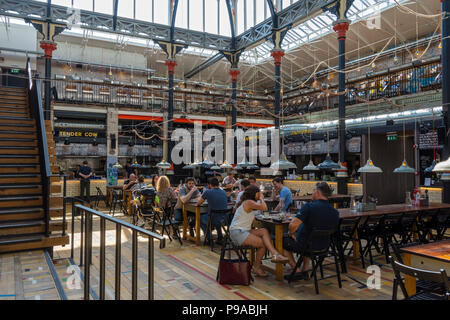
(25, 150)
(18, 142)
(18, 134)
(22, 227)
(27, 227)
(21, 109)
(20, 201)
(16, 214)
(56, 188)
(32, 242)
(18, 127)
(13, 94)
(12, 89)
(18, 158)
(19, 168)
(20, 189)
(57, 212)
(13, 102)
(56, 202)
(15, 113)
(16, 120)
(8, 178)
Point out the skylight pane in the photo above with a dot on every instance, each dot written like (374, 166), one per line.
(66, 3)
(224, 19)
(260, 11)
(240, 17)
(161, 11)
(196, 15)
(211, 17)
(104, 6)
(144, 10)
(83, 4)
(250, 14)
(125, 9)
(182, 14)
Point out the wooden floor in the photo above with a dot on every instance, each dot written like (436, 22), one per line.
(181, 272)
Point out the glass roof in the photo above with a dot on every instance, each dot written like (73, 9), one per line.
(212, 16)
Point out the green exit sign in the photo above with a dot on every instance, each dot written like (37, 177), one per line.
(392, 137)
(15, 71)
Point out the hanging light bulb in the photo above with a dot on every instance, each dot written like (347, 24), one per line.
(369, 167)
(310, 166)
(440, 45)
(226, 165)
(395, 59)
(110, 71)
(374, 65)
(417, 53)
(163, 165)
(404, 167)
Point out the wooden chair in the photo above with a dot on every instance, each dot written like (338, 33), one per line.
(221, 219)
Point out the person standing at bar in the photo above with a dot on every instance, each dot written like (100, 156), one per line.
(85, 174)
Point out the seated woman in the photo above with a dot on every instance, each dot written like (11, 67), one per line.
(242, 234)
(140, 184)
(164, 192)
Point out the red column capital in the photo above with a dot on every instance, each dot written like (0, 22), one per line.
(277, 55)
(49, 47)
(341, 29)
(171, 64)
(234, 73)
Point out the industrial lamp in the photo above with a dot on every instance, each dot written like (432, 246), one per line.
(369, 167)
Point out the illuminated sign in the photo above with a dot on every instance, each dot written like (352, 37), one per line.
(86, 134)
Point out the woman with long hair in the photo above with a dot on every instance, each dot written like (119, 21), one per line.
(164, 192)
(155, 178)
(241, 231)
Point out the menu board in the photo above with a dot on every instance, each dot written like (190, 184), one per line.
(428, 140)
(321, 147)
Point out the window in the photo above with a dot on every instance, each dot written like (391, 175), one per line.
(196, 14)
(65, 3)
(104, 6)
(225, 28)
(161, 11)
(250, 13)
(144, 10)
(211, 16)
(126, 9)
(240, 17)
(181, 20)
(260, 11)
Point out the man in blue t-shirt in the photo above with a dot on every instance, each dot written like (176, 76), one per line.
(317, 214)
(85, 174)
(285, 194)
(217, 200)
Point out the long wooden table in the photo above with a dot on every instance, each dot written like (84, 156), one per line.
(431, 256)
(334, 199)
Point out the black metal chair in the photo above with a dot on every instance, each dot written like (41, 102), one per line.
(408, 223)
(220, 219)
(317, 250)
(421, 285)
(346, 235)
(370, 231)
(117, 199)
(433, 276)
(100, 197)
(390, 226)
(424, 224)
(439, 224)
(168, 222)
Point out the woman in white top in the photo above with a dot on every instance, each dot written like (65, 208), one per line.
(242, 234)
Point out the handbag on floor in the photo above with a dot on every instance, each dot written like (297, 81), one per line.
(234, 271)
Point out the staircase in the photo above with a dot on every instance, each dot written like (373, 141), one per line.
(22, 202)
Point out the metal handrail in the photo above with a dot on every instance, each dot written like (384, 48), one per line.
(87, 214)
(35, 103)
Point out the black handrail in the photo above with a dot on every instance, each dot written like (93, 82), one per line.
(35, 103)
(86, 226)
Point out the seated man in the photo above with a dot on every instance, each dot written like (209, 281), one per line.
(140, 184)
(317, 214)
(285, 194)
(228, 181)
(252, 180)
(188, 192)
(127, 185)
(217, 200)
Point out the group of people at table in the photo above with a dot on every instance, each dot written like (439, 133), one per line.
(249, 200)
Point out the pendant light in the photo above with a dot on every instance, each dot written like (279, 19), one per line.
(247, 165)
(163, 165)
(328, 164)
(282, 163)
(404, 167)
(215, 167)
(369, 167)
(117, 165)
(310, 166)
(226, 165)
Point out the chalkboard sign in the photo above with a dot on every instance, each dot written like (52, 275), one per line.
(428, 140)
